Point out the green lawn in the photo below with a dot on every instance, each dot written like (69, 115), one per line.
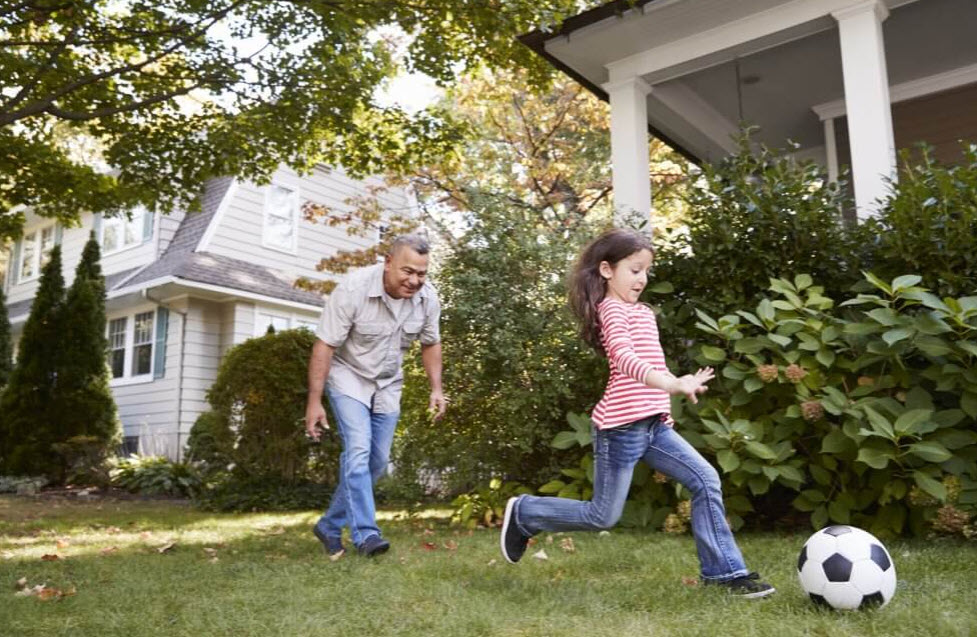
(264, 574)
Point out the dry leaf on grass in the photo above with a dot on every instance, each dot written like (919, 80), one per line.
(541, 555)
(567, 545)
(112, 530)
(493, 562)
(145, 535)
(7, 555)
(48, 557)
(211, 552)
(451, 545)
(108, 550)
(166, 547)
(21, 583)
(429, 546)
(43, 592)
(278, 530)
(690, 581)
(63, 544)
(335, 557)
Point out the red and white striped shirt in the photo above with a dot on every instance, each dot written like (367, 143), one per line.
(629, 334)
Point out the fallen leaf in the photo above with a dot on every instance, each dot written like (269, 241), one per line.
(166, 547)
(214, 560)
(541, 555)
(278, 530)
(532, 541)
(112, 530)
(493, 562)
(604, 534)
(30, 591)
(50, 558)
(7, 555)
(47, 594)
(567, 545)
(21, 583)
(109, 550)
(451, 545)
(210, 551)
(63, 544)
(430, 546)
(428, 532)
(70, 592)
(335, 557)
(549, 539)
(690, 581)
(145, 535)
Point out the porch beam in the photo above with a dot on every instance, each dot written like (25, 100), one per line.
(629, 151)
(871, 139)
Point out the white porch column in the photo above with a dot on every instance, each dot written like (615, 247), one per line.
(629, 151)
(831, 148)
(873, 153)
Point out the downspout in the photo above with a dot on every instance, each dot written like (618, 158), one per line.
(179, 376)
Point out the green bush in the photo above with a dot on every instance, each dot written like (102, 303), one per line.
(485, 506)
(252, 444)
(929, 224)
(154, 475)
(848, 415)
(84, 460)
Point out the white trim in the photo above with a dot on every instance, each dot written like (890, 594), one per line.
(127, 377)
(831, 149)
(131, 380)
(296, 194)
(909, 90)
(218, 217)
(231, 292)
(690, 106)
(123, 222)
(38, 232)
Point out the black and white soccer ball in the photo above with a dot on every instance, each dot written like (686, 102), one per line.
(845, 567)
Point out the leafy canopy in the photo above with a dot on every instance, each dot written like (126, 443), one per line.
(170, 92)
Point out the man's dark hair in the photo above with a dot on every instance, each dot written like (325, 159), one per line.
(416, 242)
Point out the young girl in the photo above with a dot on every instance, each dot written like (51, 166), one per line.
(632, 420)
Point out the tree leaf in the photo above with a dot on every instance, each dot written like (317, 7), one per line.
(874, 458)
(933, 487)
(930, 451)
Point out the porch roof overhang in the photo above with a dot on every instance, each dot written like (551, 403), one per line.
(711, 64)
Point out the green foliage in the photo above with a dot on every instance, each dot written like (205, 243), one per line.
(84, 460)
(650, 501)
(843, 413)
(154, 475)
(6, 343)
(485, 506)
(86, 406)
(513, 362)
(29, 416)
(929, 224)
(757, 214)
(154, 90)
(233, 492)
(256, 427)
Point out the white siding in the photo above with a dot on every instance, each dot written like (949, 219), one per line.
(242, 222)
(201, 358)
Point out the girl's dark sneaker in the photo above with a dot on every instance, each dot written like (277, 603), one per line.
(512, 540)
(748, 586)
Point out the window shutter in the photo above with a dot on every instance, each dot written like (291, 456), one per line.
(159, 351)
(15, 263)
(97, 227)
(147, 226)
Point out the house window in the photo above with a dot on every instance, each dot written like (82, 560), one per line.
(35, 252)
(129, 446)
(131, 348)
(275, 321)
(119, 233)
(281, 218)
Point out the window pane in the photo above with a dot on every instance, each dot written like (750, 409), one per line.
(117, 346)
(118, 363)
(280, 218)
(144, 328)
(142, 359)
(27, 251)
(47, 243)
(133, 229)
(110, 235)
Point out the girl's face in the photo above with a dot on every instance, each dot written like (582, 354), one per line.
(628, 277)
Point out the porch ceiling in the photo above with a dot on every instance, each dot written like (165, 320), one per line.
(696, 105)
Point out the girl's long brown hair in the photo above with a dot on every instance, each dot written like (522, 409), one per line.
(587, 286)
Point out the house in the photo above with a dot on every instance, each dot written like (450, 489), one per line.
(850, 81)
(184, 288)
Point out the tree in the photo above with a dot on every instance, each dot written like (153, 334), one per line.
(84, 401)
(6, 345)
(170, 92)
(511, 208)
(27, 406)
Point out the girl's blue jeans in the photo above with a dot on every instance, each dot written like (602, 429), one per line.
(367, 438)
(616, 452)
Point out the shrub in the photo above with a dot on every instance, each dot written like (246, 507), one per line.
(230, 492)
(154, 475)
(842, 413)
(85, 460)
(929, 224)
(485, 506)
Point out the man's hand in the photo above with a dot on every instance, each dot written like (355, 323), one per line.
(315, 419)
(438, 404)
(691, 385)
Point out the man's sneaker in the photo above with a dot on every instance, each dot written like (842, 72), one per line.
(374, 545)
(512, 539)
(333, 545)
(748, 586)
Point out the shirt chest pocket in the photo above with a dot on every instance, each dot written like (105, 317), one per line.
(368, 332)
(411, 332)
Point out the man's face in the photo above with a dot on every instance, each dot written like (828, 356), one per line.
(404, 272)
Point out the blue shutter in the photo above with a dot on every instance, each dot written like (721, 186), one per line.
(97, 227)
(15, 263)
(147, 226)
(159, 352)
(58, 232)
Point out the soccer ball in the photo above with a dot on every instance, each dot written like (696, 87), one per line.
(844, 567)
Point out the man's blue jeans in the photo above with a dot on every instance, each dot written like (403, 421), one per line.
(616, 452)
(367, 438)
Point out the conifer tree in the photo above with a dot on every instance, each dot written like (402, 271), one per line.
(28, 413)
(84, 400)
(6, 344)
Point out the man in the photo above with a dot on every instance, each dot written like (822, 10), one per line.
(369, 320)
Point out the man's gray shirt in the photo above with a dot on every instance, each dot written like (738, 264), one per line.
(370, 338)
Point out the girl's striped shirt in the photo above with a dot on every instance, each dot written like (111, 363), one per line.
(629, 334)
